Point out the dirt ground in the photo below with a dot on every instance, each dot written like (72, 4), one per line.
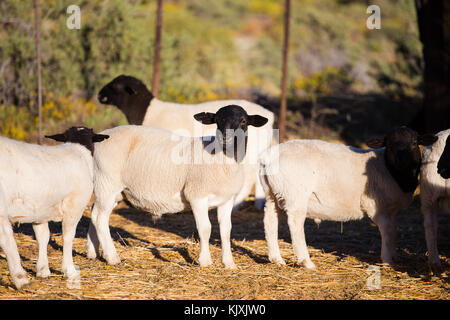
(159, 261)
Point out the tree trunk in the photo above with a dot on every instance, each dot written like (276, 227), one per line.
(434, 27)
(38, 68)
(157, 48)
(284, 72)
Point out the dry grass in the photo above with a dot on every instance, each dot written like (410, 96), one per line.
(159, 261)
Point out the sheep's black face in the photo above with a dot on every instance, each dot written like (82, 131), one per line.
(232, 125)
(443, 165)
(402, 150)
(130, 95)
(82, 135)
(402, 155)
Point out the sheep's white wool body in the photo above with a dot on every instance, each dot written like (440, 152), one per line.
(434, 193)
(328, 181)
(41, 183)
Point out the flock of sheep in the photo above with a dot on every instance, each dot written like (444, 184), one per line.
(176, 157)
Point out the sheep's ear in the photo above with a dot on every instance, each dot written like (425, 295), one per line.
(130, 90)
(58, 137)
(99, 137)
(257, 120)
(427, 139)
(376, 143)
(205, 117)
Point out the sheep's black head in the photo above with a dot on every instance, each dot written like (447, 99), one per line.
(130, 95)
(443, 165)
(82, 135)
(402, 154)
(232, 125)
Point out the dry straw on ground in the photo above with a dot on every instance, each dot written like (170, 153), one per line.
(159, 261)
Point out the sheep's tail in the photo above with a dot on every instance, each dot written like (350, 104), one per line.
(269, 161)
(268, 166)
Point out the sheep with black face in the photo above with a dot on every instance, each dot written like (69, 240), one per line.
(132, 97)
(161, 172)
(329, 181)
(435, 191)
(45, 183)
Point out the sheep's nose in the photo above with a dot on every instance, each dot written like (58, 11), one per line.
(102, 98)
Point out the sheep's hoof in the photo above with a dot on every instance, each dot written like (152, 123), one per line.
(112, 260)
(387, 262)
(71, 272)
(21, 281)
(205, 262)
(308, 264)
(230, 266)
(91, 251)
(43, 272)
(436, 268)
(91, 256)
(278, 261)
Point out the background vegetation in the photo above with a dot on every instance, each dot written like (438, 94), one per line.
(346, 81)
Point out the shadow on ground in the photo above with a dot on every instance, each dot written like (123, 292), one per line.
(360, 239)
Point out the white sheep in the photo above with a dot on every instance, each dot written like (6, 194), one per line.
(161, 172)
(140, 107)
(329, 181)
(46, 183)
(434, 192)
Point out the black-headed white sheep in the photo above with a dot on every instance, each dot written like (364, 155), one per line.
(329, 181)
(161, 172)
(45, 183)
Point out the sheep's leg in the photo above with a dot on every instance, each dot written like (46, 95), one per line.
(224, 217)
(69, 227)
(430, 212)
(42, 234)
(200, 211)
(8, 244)
(92, 244)
(260, 198)
(100, 220)
(271, 230)
(296, 221)
(386, 225)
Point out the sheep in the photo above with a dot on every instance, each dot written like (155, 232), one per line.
(329, 181)
(434, 191)
(161, 172)
(45, 183)
(140, 107)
